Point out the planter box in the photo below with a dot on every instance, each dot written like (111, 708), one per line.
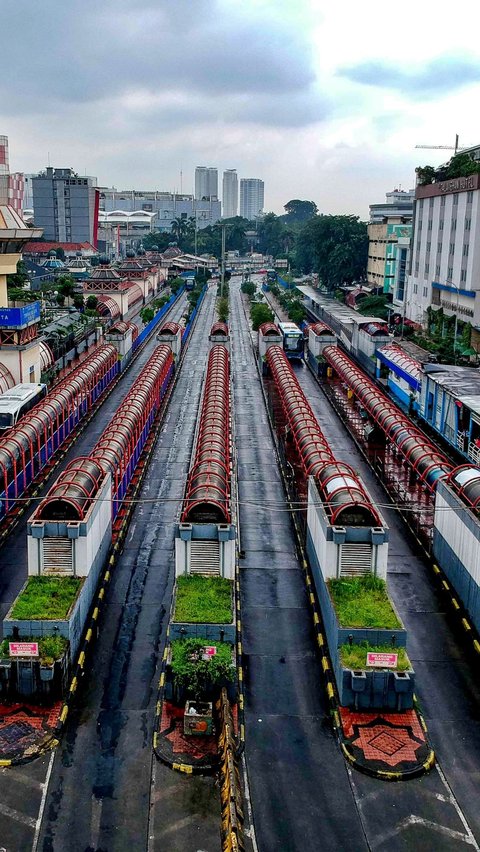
(215, 633)
(337, 635)
(373, 689)
(370, 688)
(70, 628)
(199, 723)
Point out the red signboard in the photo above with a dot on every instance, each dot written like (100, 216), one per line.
(23, 649)
(208, 652)
(382, 661)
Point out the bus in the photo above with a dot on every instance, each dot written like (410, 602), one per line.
(293, 344)
(15, 403)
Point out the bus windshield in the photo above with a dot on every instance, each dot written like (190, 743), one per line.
(6, 421)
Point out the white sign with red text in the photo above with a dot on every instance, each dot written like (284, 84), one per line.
(23, 649)
(382, 661)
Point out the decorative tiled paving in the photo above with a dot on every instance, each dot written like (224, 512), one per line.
(390, 741)
(176, 747)
(24, 728)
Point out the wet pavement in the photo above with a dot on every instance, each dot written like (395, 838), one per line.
(440, 809)
(102, 791)
(299, 782)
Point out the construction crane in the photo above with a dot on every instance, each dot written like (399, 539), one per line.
(455, 147)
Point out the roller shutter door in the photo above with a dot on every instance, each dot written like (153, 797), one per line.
(355, 559)
(57, 555)
(205, 557)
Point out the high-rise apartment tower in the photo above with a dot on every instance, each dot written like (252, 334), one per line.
(230, 194)
(66, 206)
(206, 183)
(251, 197)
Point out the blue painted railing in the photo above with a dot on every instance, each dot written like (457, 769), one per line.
(157, 318)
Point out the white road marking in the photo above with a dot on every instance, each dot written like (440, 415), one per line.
(468, 832)
(250, 831)
(38, 823)
(97, 808)
(16, 815)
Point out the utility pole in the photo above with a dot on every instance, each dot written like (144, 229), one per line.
(223, 261)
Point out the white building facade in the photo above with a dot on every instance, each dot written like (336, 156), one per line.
(206, 183)
(229, 194)
(252, 193)
(445, 250)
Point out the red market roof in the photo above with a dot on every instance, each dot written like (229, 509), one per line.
(44, 248)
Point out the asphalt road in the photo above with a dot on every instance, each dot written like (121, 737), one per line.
(108, 740)
(303, 794)
(440, 809)
(102, 792)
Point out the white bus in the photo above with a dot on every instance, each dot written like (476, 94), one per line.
(15, 402)
(293, 344)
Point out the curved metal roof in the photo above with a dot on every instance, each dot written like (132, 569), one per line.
(6, 379)
(428, 462)
(344, 496)
(208, 488)
(269, 328)
(107, 306)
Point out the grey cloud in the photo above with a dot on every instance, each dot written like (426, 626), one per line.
(83, 52)
(439, 76)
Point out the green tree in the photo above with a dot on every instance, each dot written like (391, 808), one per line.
(248, 287)
(334, 246)
(425, 175)
(273, 235)
(78, 300)
(175, 284)
(147, 314)
(260, 313)
(299, 211)
(20, 278)
(222, 309)
(91, 302)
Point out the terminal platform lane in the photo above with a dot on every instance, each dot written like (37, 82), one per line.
(299, 785)
(13, 553)
(101, 791)
(422, 811)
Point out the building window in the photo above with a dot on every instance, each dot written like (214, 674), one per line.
(440, 225)
(452, 248)
(469, 197)
(427, 268)
(455, 200)
(429, 245)
(431, 204)
(463, 275)
(450, 272)
(415, 288)
(425, 292)
(437, 271)
(465, 250)
(429, 224)
(416, 268)
(442, 201)
(468, 223)
(439, 247)
(454, 224)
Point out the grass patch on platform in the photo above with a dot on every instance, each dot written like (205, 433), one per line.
(50, 648)
(363, 602)
(355, 656)
(46, 598)
(203, 600)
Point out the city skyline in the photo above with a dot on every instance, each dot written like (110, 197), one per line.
(333, 117)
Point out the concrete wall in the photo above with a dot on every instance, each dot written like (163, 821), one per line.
(456, 547)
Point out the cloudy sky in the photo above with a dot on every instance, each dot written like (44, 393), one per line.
(323, 100)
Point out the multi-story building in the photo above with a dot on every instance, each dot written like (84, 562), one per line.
(445, 250)
(389, 224)
(66, 205)
(166, 206)
(206, 183)
(251, 197)
(11, 183)
(230, 194)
